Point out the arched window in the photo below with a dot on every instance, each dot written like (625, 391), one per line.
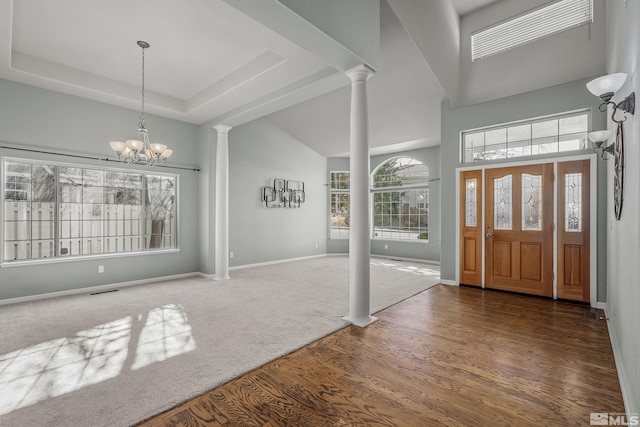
(400, 200)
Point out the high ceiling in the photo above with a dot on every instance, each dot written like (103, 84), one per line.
(210, 61)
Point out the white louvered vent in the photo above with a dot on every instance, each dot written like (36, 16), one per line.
(542, 22)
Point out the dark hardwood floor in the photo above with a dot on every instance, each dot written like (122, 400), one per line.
(448, 356)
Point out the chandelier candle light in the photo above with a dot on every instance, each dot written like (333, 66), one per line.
(141, 151)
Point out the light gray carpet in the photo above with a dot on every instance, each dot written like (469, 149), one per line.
(117, 358)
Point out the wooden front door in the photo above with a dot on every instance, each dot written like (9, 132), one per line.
(519, 229)
(573, 230)
(471, 228)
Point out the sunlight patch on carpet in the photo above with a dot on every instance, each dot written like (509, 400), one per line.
(56, 367)
(166, 334)
(420, 271)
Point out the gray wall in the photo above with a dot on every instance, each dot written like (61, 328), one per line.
(258, 153)
(52, 121)
(552, 100)
(623, 281)
(416, 250)
(556, 59)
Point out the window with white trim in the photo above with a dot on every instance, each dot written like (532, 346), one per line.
(339, 191)
(533, 25)
(560, 133)
(400, 198)
(53, 210)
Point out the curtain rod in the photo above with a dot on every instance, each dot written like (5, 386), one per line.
(104, 159)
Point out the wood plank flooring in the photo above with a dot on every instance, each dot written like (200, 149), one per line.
(448, 356)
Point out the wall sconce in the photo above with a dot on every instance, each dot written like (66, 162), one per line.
(605, 87)
(615, 149)
(599, 138)
(284, 194)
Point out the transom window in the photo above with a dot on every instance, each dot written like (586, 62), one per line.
(549, 19)
(566, 132)
(57, 211)
(400, 197)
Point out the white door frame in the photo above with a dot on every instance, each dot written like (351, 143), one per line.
(593, 227)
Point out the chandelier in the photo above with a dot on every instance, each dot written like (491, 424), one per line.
(141, 151)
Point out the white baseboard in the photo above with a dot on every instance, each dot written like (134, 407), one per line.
(93, 289)
(399, 258)
(279, 261)
(601, 305)
(449, 282)
(629, 406)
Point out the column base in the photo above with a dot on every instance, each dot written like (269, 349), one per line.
(361, 322)
(219, 278)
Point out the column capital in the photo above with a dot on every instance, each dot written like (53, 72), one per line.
(360, 73)
(222, 128)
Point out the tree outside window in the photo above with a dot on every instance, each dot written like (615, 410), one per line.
(57, 210)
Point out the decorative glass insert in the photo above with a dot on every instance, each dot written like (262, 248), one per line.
(573, 202)
(561, 133)
(531, 202)
(502, 203)
(471, 219)
(58, 210)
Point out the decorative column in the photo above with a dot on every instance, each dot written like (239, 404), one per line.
(222, 203)
(359, 212)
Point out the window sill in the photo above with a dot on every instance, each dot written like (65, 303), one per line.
(41, 261)
(374, 239)
(419, 241)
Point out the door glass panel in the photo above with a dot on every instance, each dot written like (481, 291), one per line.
(573, 202)
(531, 202)
(502, 199)
(471, 202)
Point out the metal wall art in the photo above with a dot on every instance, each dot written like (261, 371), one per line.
(284, 194)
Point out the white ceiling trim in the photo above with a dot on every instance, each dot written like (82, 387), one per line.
(265, 69)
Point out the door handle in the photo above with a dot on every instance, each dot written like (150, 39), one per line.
(489, 235)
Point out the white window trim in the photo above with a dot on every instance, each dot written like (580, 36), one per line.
(337, 191)
(84, 257)
(532, 120)
(394, 188)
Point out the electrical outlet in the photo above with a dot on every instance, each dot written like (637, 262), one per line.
(386, 246)
(316, 246)
(101, 269)
(230, 254)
